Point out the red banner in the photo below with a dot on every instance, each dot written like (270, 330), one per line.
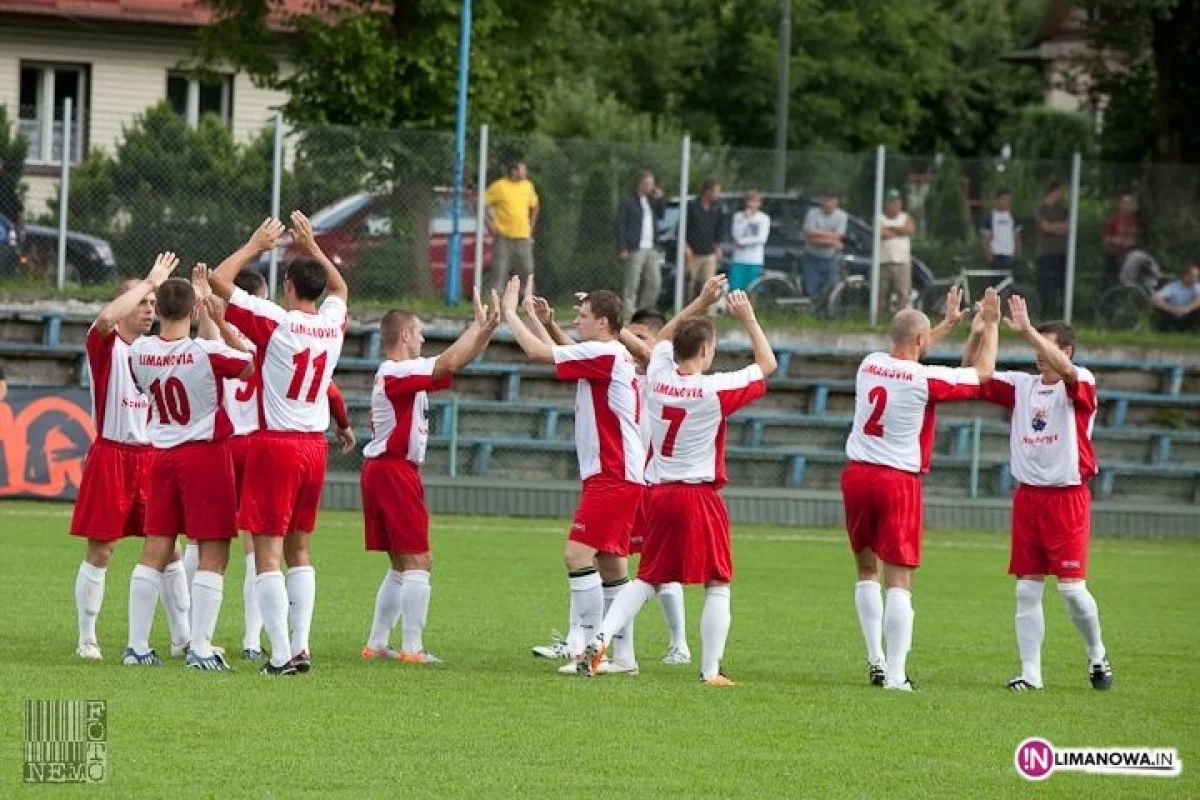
(44, 437)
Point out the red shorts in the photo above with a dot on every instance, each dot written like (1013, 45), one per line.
(394, 506)
(687, 536)
(604, 519)
(239, 451)
(1051, 527)
(111, 502)
(281, 490)
(191, 492)
(884, 512)
(637, 536)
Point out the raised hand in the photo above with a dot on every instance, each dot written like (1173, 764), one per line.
(267, 235)
(164, 265)
(714, 287)
(346, 437)
(302, 233)
(978, 322)
(528, 300)
(200, 282)
(493, 320)
(543, 309)
(954, 307)
(215, 307)
(740, 307)
(481, 311)
(989, 307)
(511, 292)
(1018, 314)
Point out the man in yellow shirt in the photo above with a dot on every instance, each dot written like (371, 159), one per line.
(512, 206)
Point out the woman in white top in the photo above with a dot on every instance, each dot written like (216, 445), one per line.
(895, 256)
(751, 228)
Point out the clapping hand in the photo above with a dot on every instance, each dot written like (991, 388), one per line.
(714, 287)
(512, 291)
(164, 265)
(200, 283)
(989, 307)
(267, 235)
(1018, 314)
(302, 233)
(740, 307)
(954, 308)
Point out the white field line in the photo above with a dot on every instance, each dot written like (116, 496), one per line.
(990, 543)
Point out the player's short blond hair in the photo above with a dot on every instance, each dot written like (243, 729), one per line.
(909, 324)
(394, 323)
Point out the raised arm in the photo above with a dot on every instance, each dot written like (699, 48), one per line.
(215, 311)
(534, 347)
(742, 310)
(207, 327)
(954, 315)
(1047, 351)
(714, 287)
(974, 338)
(985, 356)
(473, 341)
(636, 347)
(530, 306)
(126, 303)
(263, 239)
(302, 230)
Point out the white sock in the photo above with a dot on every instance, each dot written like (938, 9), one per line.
(898, 632)
(414, 604)
(622, 639)
(625, 606)
(868, 599)
(1031, 629)
(714, 630)
(1084, 612)
(387, 610)
(587, 608)
(671, 597)
(207, 590)
(252, 638)
(89, 596)
(302, 596)
(177, 602)
(191, 561)
(272, 597)
(144, 587)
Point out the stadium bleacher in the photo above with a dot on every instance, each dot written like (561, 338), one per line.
(510, 420)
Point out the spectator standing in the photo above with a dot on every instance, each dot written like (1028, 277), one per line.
(751, 229)
(637, 227)
(824, 230)
(1177, 305)
(896, 230)
(1122, 233)
(1000, 233)
(705, 223)
(512, 213)
(1053, 221)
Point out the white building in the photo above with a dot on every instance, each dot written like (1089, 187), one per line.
(114, 59)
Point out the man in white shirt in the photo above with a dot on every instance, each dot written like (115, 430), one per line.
(896, 230)
(637, 228)
(751, 229)
(1000, 233)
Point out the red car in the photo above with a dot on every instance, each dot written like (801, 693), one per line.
(362, 221)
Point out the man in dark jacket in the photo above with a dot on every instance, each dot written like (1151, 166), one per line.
(705, 227)
(637, 229)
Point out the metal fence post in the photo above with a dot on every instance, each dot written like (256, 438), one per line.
(685, 164)
(480, 206)
(64, 193)
(1072, 236)
(276, 190)
(452, 456)
(976, 428)
(454, 262)
(876, 232)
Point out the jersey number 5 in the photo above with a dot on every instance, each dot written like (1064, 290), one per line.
(674, 417)
(301, 361)
(171, 401)
(878, 398)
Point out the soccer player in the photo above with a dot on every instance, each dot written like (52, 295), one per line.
(241, 404)
(687, 524)
(397, 522)
(112, 494)
(611, 458)
(888, 450)
(296, 351)
(190, 476)
(1052, 460)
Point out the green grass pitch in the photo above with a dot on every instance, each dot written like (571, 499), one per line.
(494, 722)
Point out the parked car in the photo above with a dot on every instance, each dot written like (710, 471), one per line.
(784, 247)
(361, 222)
(89, 258)
(12, 251)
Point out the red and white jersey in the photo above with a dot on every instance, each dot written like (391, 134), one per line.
(295, 355)
(400, 408)
(894, 403)
(687, 417)
(184, 380)
(118, 407)
(608, 408)
(241, 399)
(1051, 436)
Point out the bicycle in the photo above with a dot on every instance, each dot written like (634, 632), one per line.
(849, 295)
(1126, 305)
(933, 297)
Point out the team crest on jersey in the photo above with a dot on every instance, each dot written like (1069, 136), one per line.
(1039, 419)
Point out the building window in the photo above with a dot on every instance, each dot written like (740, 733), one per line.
(192, 99)
(44, 87)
